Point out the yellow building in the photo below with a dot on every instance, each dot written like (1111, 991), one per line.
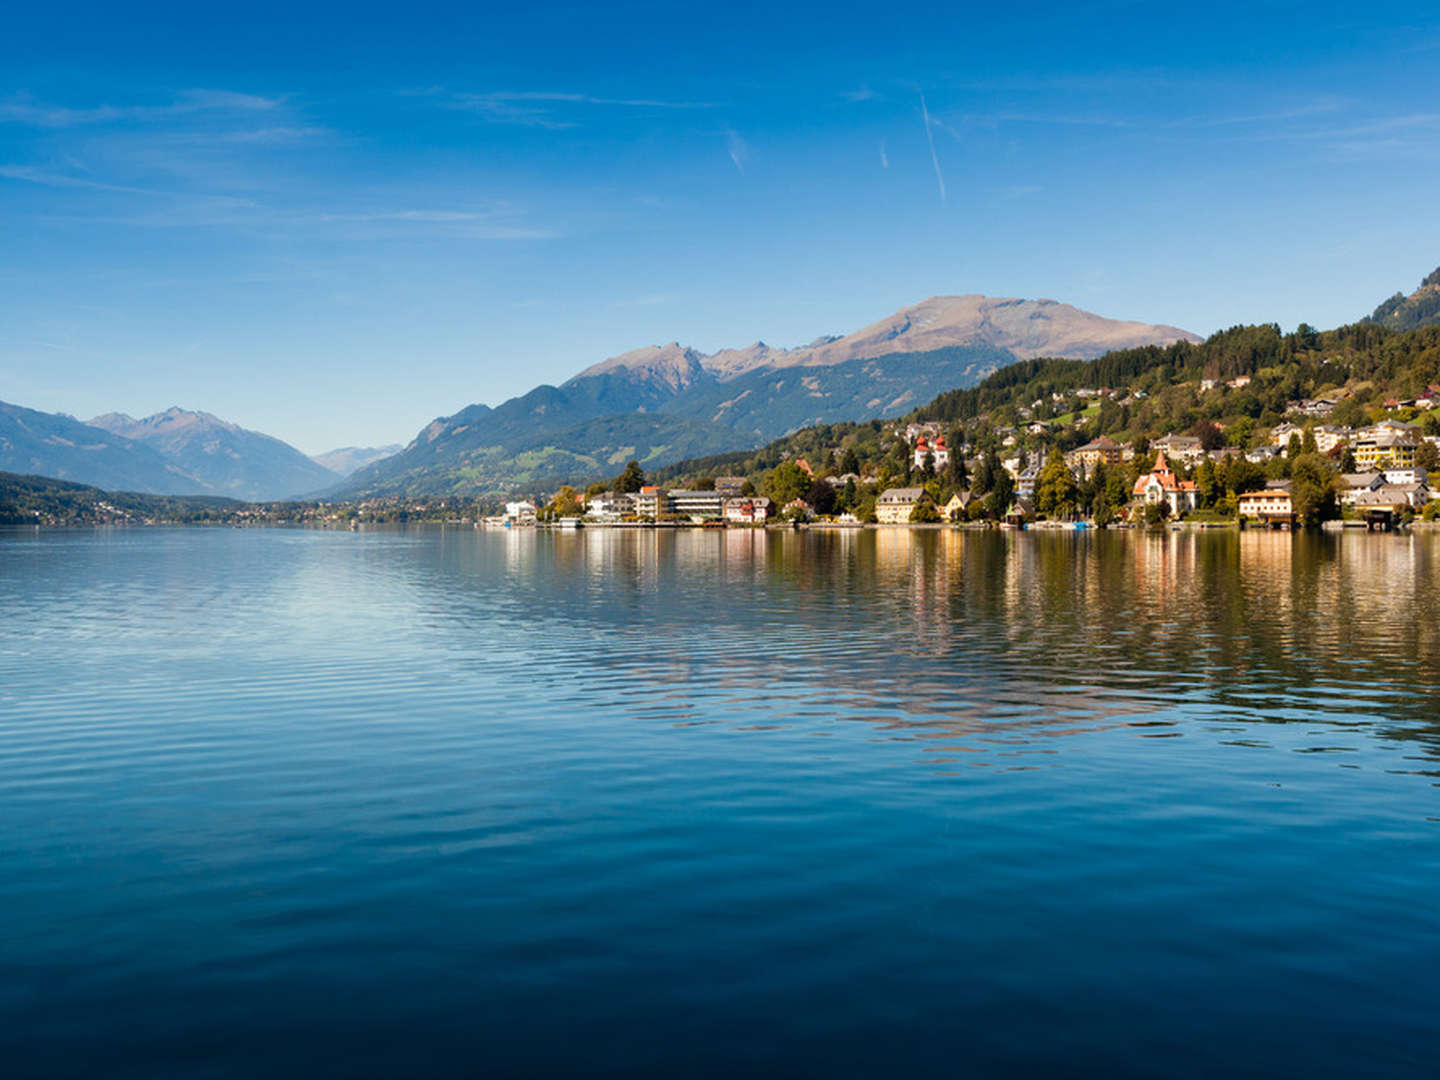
(1384, 447)
(1273, 506)
(894, 505)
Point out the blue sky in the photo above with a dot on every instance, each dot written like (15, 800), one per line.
(335, 222)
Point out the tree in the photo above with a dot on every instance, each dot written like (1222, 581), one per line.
(1307, 441)
(705, 483)
(785, 482)
(1427, 457)
(565, 504)
(985, 475)
(1312, 489)
(1207, 484)
(1056, 494)
(1293, 447)
(924, 513)
(1156, 512)
(1347, 460)
(849, 462)
(632, 479)
(1001, 496)
(1209, 434)
(821, 496)
(1349, 413)
(959, 474)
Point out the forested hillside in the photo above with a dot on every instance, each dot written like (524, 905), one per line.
(1229, 391)
(1420, 308)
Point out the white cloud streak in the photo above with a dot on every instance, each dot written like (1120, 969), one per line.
(24, 109)
(738, 150)
(930, 138)
(537, 108)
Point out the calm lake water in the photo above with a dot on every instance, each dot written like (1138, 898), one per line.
(447, 802)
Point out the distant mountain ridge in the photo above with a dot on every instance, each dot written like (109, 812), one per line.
(346, 459)
(226, 458)
(59, 446)
(1025, 328)
(1420, 308)
(665, 402)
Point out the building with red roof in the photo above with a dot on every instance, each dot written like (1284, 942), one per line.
(1161, 485)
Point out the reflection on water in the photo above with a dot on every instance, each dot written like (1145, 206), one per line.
(718, 801)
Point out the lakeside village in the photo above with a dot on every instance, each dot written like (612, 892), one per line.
(1301, 472)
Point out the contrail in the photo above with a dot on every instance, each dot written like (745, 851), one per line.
(738, 149)
(930, 138)
(884, 157)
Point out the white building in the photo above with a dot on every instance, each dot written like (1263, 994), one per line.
(520, 513)
(698, 505)
(935, 449)
(1328, 437)
(748, 511)
(610, 506)
(1406, 476)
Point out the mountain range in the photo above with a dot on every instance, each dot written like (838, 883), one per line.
(345, 460)
(224, 458)
(175, 452)
(659, 404)
(54, 445)
(664, 403)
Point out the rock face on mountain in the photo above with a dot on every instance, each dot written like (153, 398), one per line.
(50, 444)
(346, 459)
(1420, 308)
(1024, 328)
(665, 402)
(226, 458)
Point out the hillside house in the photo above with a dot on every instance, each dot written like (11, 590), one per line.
(1101, 451)
(1352, 485)
(1161, 485)
(1186, 448)
(935, 449)
(1384, 446)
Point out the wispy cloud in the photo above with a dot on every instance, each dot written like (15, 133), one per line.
(274, 135)
(24, 109)
(864, 93)
(884, 157)
(1385, 126)
(930, 138)
(545, 108)
(30, 175)
(653, 300)
(738, 149)
(1097, 120)
(166, 209)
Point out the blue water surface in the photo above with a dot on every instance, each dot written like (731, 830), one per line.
(455, 802)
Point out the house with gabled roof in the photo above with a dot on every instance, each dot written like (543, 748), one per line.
(1161, 485)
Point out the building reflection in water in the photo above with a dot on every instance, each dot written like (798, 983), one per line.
(1013, 639)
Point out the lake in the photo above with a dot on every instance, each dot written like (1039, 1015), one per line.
(440, 801)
